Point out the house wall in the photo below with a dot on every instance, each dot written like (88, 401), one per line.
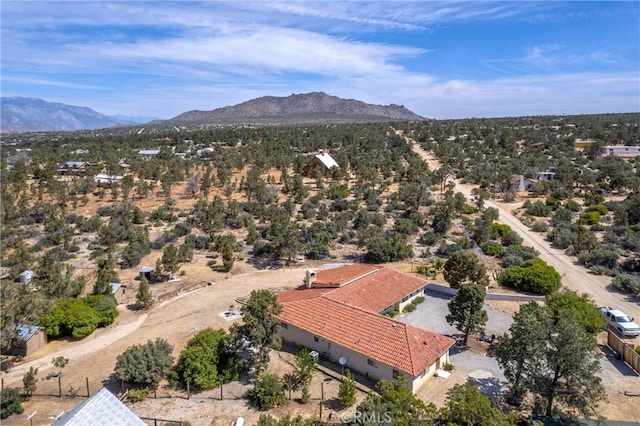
(355, 361)
(621, 151)
(22, 348)
(430, 372)
(119, 295)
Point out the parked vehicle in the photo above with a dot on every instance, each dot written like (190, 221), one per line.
(620, 322)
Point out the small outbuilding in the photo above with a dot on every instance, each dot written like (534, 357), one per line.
(118, 291)
(146, 272)
(26, 276)
(29, 339)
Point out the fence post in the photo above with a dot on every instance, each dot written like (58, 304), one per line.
(188, 391)
(221, 397)
(60, 385)
(87, 379)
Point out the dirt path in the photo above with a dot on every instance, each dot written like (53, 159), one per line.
(574, 276)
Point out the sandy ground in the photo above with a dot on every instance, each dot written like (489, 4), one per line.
(195, 302)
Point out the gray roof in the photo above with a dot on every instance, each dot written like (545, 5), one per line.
(146, 269)
(102, 409)
(115, 287)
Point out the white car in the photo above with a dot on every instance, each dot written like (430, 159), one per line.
(620, 322)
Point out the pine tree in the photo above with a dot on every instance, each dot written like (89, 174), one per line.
(106, 275)
(347, 391)
(144, 298)
(29, 381)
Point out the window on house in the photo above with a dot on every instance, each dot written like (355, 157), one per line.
(372, 362)
(404, 299)
(396, 374)
(315, 339)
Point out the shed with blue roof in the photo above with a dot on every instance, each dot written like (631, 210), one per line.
(29, 339)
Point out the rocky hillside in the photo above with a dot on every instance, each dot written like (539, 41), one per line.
(306, 107)
(34, 115)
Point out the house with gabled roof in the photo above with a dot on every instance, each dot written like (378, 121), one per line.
(339, 314)
(321, 160)
(74, 167)
(101, 409)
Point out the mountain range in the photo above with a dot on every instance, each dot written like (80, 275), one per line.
(31, 114)
(36, 115)
(305, 107)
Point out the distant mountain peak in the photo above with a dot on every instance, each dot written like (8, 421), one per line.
(314, 106)
(25, 114)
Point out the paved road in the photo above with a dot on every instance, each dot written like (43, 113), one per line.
(574, 276)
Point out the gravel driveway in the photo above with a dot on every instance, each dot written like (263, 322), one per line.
(431, 314)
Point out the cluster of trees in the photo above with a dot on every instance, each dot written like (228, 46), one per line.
(79, 317)
(550, 353)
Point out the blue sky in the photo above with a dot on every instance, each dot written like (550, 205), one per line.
(439, 59)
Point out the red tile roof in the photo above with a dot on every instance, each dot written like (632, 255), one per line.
(401, 346)
(349, 316)
(337, 277)
(378, 290)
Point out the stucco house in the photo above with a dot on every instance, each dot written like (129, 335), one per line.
(322, 160)
(339, 313)
(29, 339)
(148, 153)
(621, 151)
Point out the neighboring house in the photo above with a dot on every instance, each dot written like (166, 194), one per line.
(205, 152)
(74, 168)
(621, 151)
(18, 156)
(118, 291)
(30, 338)
(148, 153)
(106, 180)
(339, 313)
(582, 144)
(546, 176)
(80, 151)
(322, 160)
(101, 409)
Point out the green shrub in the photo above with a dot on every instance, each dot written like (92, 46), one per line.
(492, 249)
(10, 402)
(572, 205)
(600, 208)
(70, 317)
(137, 395)
(539, 226)
(418, 300)
(468, 209)
(627, 283)
(409, 308)
(590, 218)
(392, 314)
(538, 209)
(500, 229)
(268, 392)
(447, 366)
(533, 276)
(637, 349)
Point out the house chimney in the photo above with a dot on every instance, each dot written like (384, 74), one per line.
(310, 278)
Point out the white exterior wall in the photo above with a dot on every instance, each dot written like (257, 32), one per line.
(621, 150)
(430, 372)
(355, 361)
(401, 305)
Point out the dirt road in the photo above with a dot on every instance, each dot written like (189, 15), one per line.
(574, 276)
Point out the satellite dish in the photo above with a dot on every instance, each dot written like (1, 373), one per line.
(342, 360)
